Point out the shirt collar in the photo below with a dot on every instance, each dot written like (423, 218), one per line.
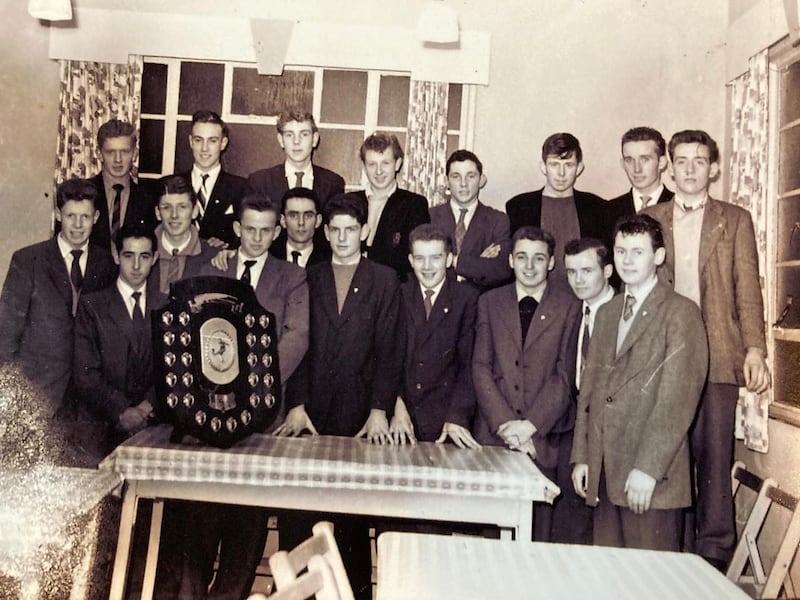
(600, 300)
(336, 261)
(654, 195)
(456, 208)
(291, 173)
(382, 196)
(436, 289)
(66, 249)
(522, 293)
(643, 292)
(127, 291)
(303, 252)
(688, 207)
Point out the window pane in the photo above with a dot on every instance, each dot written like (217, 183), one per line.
(393, 101)
(338, 151)
(183, 153)
(344, 96)
(790, 103)
(154, 88)
(200, 87)
(151, 146)
(251, 147)
(268, 95)
(789, 169)
(452, 144)
(454, 106)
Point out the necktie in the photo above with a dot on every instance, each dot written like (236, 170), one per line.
(75, 273)
(527, 306)
(585, 339)
(202, 195)
(627, 311)
(138, 315)
(296, 257)
(428, 304)
(646, 201)
(116, 208)
(298, 182)
(174, 267)
(461, 229)
(246, 273)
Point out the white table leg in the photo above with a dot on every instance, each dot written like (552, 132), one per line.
(122, 557)
(148, 585)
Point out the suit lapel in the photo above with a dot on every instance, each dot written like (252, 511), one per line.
(667, 232)
(359, 288)
(118, 313)
(643, 320)
(57, 271)
(508, 312)
(542, 318)
(441, 307)
(474, 234)
(265, 286)
(327, 293)
(386, 224)
(712, 228)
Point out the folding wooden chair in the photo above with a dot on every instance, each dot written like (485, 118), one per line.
(316, 560)
(757, 583)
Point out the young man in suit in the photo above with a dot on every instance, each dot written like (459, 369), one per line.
(41, 291)
(588, 265)
(301, 241)
(640, 387)
(558, 207)
(298, 136)
(356, 359)
(280, 287)
(121, 200)
(479, 233)
(181, 250)
(711, 258)
(218, 192)
(523, 364)
(437, 400)
(392, 212)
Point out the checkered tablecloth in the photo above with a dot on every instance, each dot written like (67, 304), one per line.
(335, 462)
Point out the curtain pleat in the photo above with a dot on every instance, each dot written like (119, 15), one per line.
(426, 145)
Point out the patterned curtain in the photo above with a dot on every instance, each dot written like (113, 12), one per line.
(91, 94)
(426, 146)
(749, 144)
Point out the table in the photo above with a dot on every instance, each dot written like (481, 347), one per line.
(418, 566)
(330, 474)
(49, 528)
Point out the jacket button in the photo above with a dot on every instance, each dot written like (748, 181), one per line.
(418, 386)
(516, 363)
(609, 399)
(519, 411)
(516, 387)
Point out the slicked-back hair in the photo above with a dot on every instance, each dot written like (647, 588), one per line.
(534, 234)
(574, 247)
(563, 145)
(296, 114)
(209, 116)
(76, 189)
(639, 223)
(379, 142)
(175, 184)
(428, 232)
(299, 192)
(645, 134)
(463, 156)
(346, 204)
(695, 136)
(113, 129)
(135, 230)
(258, 202)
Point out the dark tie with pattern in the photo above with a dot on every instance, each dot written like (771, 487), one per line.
(296, 257)
(585, 339)
(461, 229)
(202, 195)
(75, 273)
(246, 273)
(627, 310)
(527, 306)
(116, 209)
(646, 201)
(427, 303)
(173, 271)
(138, 315)
(298, 179)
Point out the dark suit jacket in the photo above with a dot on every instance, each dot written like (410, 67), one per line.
(282, 290)
(113, 367)
(730, 290)
(526, 209)
(533, 382)
(488, 226)
(272, 182)
(36, 321)
(437, 386)
(140, 209)
(223, 208)
(636, 406)
(356, 356)
(321, 252)
(404, 210)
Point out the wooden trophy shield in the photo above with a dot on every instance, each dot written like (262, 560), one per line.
(216, 356)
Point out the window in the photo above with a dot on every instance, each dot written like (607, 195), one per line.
(348, 105)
